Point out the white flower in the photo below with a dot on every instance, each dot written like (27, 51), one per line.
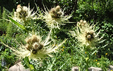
(25, 8)
(55, 17)
(23, 14)
(18, 10)
(86, 34)
(36, 48)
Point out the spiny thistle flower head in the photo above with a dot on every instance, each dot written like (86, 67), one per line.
(56, 12)
(23, 13)
(37, 49)
(55, 17)
(87, 34)
(33, 44)
(82, 24)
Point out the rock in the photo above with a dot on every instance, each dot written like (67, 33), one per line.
(94, 69)
(18, 67)
(75, 69)
(110, 68)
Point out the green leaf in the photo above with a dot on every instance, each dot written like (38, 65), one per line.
(26, 60)
(31, 67)
(18, 24)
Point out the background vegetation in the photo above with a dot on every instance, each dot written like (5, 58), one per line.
(93, 11)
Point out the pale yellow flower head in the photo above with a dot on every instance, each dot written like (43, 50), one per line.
(36, 48)
(54, 18)
(86, 34)
(23, 13)
(83, 25)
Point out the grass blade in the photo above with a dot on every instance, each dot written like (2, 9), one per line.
(16, 23)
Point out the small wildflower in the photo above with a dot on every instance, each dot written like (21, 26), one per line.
(96, 60)
(85, 52)
(62, 49)
(106, 53)
(55, 17)
(98, 63)
(23, 14)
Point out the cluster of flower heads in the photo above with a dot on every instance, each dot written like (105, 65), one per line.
(55, 12)
(33, 44)
(55, 17)
(36, 48)
(86, 34)
(23, 14)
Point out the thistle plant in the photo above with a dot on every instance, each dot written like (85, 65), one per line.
(24, 13)
(88, 41)
(42, 45)
(87, 35)
(54, 17)
(35, 48)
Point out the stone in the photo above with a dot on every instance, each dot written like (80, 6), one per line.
(94, 69)
(18, 67)
(75, 68)
(110, 68)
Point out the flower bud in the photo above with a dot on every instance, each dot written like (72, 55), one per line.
(25, 8)
(34, 39)
(92, 32)
(18, 10)
(53, 11)
(28, 40)
(84, 22)
(19, 6)
(90, 35)
(28, 47)
(81, 21)
(36, 45)
(59, 13)
(57, 8)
